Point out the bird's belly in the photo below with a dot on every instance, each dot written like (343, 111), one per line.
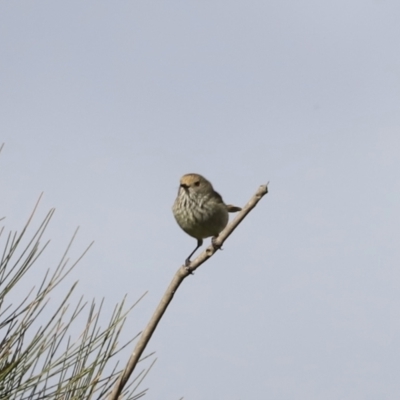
(202, 225)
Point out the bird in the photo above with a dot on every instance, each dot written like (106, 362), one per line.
(199, 210)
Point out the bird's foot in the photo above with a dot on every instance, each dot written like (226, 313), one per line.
(215, 245)
(187, 266)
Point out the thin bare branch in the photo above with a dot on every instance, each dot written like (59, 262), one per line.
(178, 278)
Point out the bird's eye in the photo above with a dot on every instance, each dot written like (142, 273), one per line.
(197, 183)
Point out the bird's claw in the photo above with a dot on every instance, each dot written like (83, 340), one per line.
(215, 245)
(187, 266)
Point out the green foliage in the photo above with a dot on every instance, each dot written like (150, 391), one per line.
(38, 357)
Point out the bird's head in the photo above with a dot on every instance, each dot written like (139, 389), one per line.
(195, 184)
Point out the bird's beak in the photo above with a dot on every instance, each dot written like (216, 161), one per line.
(184, 186)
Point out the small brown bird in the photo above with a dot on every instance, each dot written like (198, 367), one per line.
(199, 210)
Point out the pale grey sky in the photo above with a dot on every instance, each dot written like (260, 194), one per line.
(104, 105)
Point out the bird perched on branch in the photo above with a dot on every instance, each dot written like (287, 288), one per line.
(199, 210)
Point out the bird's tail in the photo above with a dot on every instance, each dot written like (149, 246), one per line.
(232, 208)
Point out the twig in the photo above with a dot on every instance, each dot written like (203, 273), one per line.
(178, 278)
